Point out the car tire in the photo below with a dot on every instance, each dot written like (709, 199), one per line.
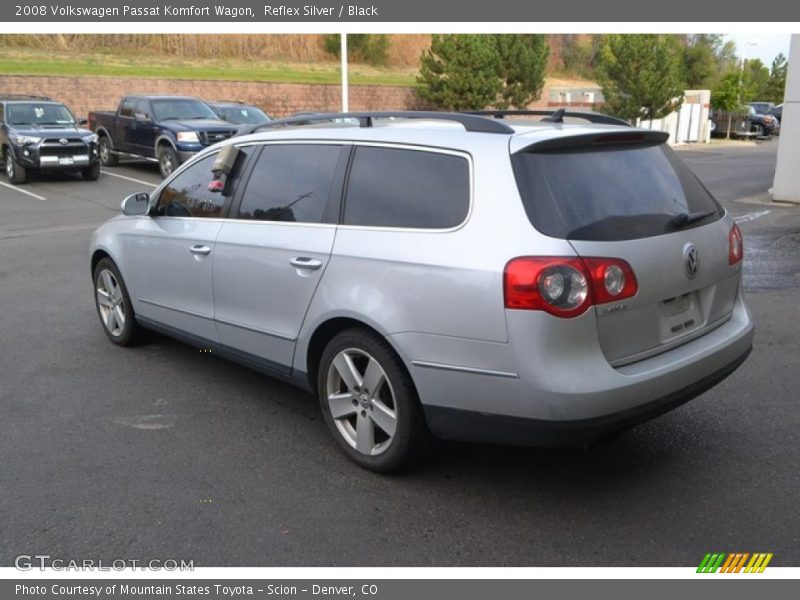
(14, 171)
(107, 156)
(167, 160)
(91, 173)
(114, 305)
(381, 429)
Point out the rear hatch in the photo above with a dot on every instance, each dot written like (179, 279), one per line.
(627, 195)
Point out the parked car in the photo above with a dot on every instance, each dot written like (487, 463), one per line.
(40, 134)
(441, 273)
(170, 129)
(239, 113)
(777, 112)
(745, 122)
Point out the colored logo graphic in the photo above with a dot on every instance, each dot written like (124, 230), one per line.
(735, 563)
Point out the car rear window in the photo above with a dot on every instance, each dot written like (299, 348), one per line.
(609, 193)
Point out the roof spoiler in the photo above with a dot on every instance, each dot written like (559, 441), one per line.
(636, 137)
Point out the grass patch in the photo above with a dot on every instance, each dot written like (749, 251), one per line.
(34, 62)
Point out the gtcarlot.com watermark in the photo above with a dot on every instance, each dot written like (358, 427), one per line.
(30, 562)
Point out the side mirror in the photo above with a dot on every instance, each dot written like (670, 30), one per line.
(136, 204)
(83, 122)
(141, 117)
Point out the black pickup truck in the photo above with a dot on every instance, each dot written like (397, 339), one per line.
(37, 133)
(169, 129)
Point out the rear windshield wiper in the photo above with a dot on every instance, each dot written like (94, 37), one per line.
(683, 219)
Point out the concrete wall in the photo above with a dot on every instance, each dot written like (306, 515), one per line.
(83, 94)
(787, 171)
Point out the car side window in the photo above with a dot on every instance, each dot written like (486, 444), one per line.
(290, 183)
(188, 194)
(393, 187)
(141, 106)
(126, 108)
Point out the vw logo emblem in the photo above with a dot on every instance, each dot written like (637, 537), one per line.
(691, 258)
(63, 141)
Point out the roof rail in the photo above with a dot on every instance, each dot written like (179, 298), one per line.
(471, 122)
(552, 116)
(24, 97)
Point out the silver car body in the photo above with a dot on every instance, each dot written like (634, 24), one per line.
(482, 371)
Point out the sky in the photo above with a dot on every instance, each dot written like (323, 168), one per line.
(768, 45)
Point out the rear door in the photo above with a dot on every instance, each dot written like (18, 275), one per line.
(271, 254)
(638, 202)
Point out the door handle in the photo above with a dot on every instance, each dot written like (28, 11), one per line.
(305, 262)
(200, 249)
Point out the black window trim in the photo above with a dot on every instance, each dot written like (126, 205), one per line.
(418, 148)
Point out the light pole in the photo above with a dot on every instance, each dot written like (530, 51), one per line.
(345, 91)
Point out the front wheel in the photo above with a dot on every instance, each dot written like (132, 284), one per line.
(15, 172)
(369, 401)
(114, 304)
(167, 160)
(91, 173)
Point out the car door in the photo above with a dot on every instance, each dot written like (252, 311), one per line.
(172, 252)
(122, 124)
(271, 254)
(142, 131)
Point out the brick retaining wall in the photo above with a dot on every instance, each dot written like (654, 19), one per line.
(84, 94)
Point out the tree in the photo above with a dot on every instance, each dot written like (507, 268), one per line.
(459, 72)
(708, 58)
(522, 61)
(727, 96)
(755, 80)
(776, 85)
(642, 75)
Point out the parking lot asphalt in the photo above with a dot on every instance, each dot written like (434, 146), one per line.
(164, 452)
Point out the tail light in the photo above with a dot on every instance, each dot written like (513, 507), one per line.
(566, 286)
(735, 245)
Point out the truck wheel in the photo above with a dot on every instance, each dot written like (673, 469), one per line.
(14, 171)
(167, 160)
(107, 157)
(91, 173)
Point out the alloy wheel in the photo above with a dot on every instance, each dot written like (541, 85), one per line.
(110, 302)
(361, 401)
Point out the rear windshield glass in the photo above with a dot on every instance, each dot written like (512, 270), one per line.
(611, 193)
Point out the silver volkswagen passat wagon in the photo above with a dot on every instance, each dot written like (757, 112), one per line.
(458, 275)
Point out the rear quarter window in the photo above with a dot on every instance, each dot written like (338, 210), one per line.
(609, 193)
(394, 187)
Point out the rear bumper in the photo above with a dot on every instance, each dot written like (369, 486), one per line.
(467, 425)
(550, 384)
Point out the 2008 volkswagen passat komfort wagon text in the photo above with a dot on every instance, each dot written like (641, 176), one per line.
(539, 284)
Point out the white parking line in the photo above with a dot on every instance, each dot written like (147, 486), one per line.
(751, 216)
(130, 179)
(21, 191)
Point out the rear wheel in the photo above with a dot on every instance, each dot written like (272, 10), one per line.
(14, 171)
(369, 402)
(114, 304)
(91, 173)
(107, 156)
(167, 160)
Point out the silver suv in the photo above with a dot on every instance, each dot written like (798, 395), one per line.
(436, 273)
